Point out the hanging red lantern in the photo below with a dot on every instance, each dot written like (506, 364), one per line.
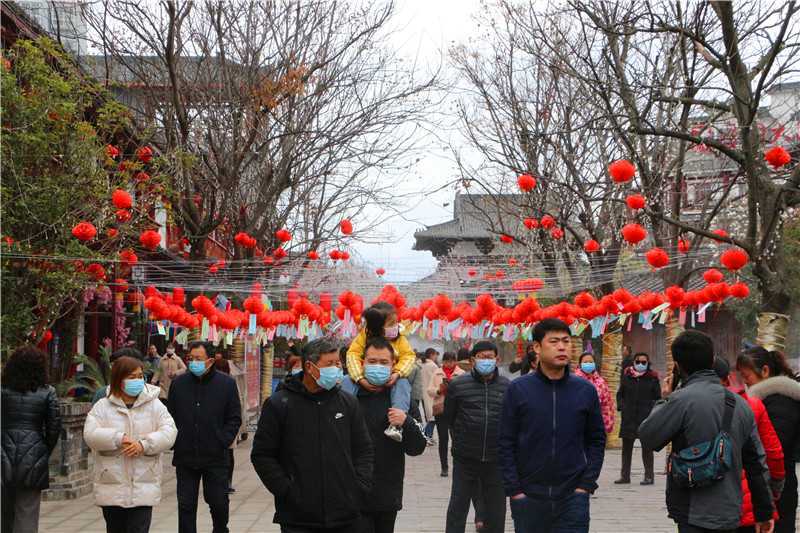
(120, 286)
(734, 259)
(591, 246)
(46, 338)
(633, 233)
(557, 233)
(111, 233)
(635, 201)
(740, 290)
(283, 235)
(531, 223)
(675, 295)
(778, 157)
(621, 171)
(269, 260)
(584, 300)
(121, 199)
(84, 231)
(335, 255)
(380, 271)
(142, 177)
(721, 233)
(112, 151)
(145, 154)
(712, 275)
(213, 269)
(123, 215)
(500, 274)
(279, 253)
(472, 273)
(344, 256)
(128, 258)
(527, 285)
(506, 239)
(150, 239)
(683, 246)
(657, 258)
(512, 262)
(548, 222)
(346, 226)
(526, 182)
(313, 255)
(96, 270)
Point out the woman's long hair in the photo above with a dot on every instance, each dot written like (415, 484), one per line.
(375, 318)
(26, 369)
(757, 357)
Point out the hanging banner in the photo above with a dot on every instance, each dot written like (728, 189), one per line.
(252, 366)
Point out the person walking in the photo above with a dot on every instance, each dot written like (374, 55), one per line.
(587, 369)
(126, 351)
(312, 449)
(205, 406)
(638, 392)
(169, 367)
(31, 425)
(438, 390)
(526, 363)
(429, 368)
(380, 506)
(127, 431)
(417, 392)
(704, 490)
(552, 439)
(472, 409)
(152, 360)
(770, 379)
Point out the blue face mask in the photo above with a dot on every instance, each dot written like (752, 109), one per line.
(377, 374)
(198, 368)
(296, 370)
(133, 387)
(588, 368)
(640, 367)
(485, 366)
(329, 377)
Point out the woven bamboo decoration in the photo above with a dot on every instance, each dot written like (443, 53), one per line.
(612, 365)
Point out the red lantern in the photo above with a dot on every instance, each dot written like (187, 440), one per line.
(657, 258)
(683, 246)
(740, 290)
(721, 233)
(557, 233)
(283, 235)
(111, 233)
(531, 223)
(142, 177)
(121, 199)
(633, 233)
(472, 273)
(734, 259)
(145, 154)
(120, 285)
(635, 201)
(778, 157)
(500, 274)
(96, 270)
(84, 231)
(269, 260)
(313, 255)
(526, 182)
(344, 255)
(584, 299)
(128, 257)
(548, 222)
(712, 275)
(512, 262)
(335, 255)
(591, 246)
(346, 226)
(506, 239)
(213, 269)
(112, 151)
(279, 253)
(527, 285)
(380, 271)
(621, 171)
(46, 338)
(123, 215)
(675, 295)
(150, 239)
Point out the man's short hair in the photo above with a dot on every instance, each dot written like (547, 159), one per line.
(448, 356)
(721, 367)
(548, 325)
(430, 352)
(127, 351)
(463, 354)
(314, 349)
(693, 351)
(379, 343)
(207, 346)
(483, 346)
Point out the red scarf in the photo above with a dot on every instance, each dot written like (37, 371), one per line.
(448, 372)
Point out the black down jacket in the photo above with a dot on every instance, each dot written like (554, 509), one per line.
(31, 425)
(635, 398)
(473, 408)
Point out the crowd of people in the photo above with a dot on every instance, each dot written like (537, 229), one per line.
(332, 440)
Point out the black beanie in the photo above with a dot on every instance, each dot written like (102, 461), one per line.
(721, 367)
(482, 346)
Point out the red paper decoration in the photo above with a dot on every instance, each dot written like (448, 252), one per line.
(344, 256)
(96, 270)
(150, 239)
(526, 182)
(84, 231)
(675, 295)
(145, 154)
(313, 255)
(244, 240)
(527, 285)
(657, 258)
(213, 269)
(121, 199)
(283, 235)
(584, 299)
(120, 286)
(635, 201)
(740, 290)
(712, 275)
(734, 259)
(548, 222)
(123, 215)
(500, 274)
(633, 233)
(335, 255)
(380, 271)
(531, 223)
(111, 233)
(778, 157)
(591, 246)
(112, 151)
(621, 171)
(279, 253)
(506, 239)
(557, 233)
(472, 273)
(346, 226)
(721, 233)
(128, 257)
(142, 177)
(683, 246)
(512, 262)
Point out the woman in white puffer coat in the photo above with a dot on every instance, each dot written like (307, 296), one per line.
(128, 430)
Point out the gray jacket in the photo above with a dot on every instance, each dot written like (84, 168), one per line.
(691, 415)
(415, 378)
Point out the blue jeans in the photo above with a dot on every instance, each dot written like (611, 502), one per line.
(534, 515)
(400, 393)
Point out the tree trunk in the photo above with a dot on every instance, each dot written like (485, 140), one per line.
(612, 366)
(266, 372)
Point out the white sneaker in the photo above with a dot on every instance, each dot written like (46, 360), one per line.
(394, 433)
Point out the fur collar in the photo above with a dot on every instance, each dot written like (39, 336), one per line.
(783, 385)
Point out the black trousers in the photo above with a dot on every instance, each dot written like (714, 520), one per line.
(466, 476)
(230, 474)
(787, 505)
(215, 492)
(686, 528)
(127, 520)
(627, 457)
(443, 430)
(301, 529)
(414, 410)
(378, 522)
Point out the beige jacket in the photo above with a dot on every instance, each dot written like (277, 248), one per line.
(173, 366)
(438, 378)
(429, 368)
(129, 481)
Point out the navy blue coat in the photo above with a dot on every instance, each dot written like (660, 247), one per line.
(552, 439)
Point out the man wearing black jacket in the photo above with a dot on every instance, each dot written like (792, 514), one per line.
(552, 439)
(205, 406)
(312, 449)
(379, 508)
(472, 408)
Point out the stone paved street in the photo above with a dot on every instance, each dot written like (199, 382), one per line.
(614, 509)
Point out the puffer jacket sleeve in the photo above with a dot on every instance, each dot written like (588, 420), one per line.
(755, 468)
(355, 355)
(405, 356)
(772, 446)
(52, 420)
(162, 438)
(97, 437)
(266, 451)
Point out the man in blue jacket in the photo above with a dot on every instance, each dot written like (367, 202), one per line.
(552, 439)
